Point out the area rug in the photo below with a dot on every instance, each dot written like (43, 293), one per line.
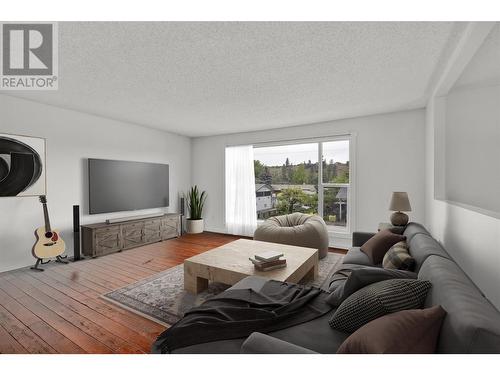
(162, 297)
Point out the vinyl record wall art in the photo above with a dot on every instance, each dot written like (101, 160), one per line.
(22, 166)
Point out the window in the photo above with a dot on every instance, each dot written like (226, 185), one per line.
(335, 182)
(289, 178)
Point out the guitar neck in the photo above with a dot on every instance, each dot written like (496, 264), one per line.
(46, 218)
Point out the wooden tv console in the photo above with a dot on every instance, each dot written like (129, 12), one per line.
(101, 238)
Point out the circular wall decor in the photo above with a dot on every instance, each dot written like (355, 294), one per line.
(20, 166)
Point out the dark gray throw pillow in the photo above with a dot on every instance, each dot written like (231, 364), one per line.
(379, 299)
(359, 278)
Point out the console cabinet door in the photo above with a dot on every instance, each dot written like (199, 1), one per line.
(152, 230)
(170, 227)
(107, 240)
(133, 234)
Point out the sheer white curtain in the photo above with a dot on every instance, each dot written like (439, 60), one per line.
(241, 215)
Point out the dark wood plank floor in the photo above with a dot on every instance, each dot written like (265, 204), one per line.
(59, 310)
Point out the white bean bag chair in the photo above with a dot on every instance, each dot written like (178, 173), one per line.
(295, 229)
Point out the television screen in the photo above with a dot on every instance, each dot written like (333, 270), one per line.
(116, 185)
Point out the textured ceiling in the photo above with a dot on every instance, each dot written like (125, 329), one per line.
(205, 78)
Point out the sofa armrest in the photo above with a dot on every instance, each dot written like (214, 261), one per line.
(258, 343)
(359, 238)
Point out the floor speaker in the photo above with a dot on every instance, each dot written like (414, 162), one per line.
(182, 204)
(76, 233)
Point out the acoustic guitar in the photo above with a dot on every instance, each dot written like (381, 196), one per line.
(49, 243)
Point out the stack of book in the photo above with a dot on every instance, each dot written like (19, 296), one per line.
(270, 260)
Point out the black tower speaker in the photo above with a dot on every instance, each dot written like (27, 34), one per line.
(182, 206)
(76, 233)
(182, 214)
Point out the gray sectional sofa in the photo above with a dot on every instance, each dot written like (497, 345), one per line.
(472, 324)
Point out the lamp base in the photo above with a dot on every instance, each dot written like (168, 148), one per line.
(399, 219)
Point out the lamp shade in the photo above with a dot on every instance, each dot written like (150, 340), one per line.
(400, 201)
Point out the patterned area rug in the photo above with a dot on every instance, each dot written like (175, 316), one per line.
(162, 297)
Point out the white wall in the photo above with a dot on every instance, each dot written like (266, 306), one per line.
(469, 235)
(472, 137)
(72, 137)
(472, 131)
(389, 158)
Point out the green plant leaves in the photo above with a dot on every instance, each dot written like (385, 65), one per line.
(195, 203)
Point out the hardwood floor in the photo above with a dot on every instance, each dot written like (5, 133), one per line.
(59, 310)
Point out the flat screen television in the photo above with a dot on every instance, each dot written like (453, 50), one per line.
(116, 185)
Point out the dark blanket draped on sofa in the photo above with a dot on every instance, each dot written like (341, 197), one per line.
(236, 313)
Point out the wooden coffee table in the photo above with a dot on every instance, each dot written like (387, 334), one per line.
(229, 264)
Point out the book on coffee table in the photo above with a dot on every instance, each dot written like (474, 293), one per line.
(268, 256)
(269, 268)
(262, 265)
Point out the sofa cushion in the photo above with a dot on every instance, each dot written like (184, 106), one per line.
(379, 244)
(402, 332)
(422, 246)
(378, 299)
(214, 347)
(412, 229)
(313, 335)
(472, 324)
(356, 256)
(359, 238)
(355, 279)
(398, 258)
(259, 343)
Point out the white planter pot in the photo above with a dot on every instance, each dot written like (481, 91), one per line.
(194, 226)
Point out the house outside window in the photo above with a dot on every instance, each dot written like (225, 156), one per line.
(289, 178)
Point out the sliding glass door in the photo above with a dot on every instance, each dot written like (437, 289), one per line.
(309, 177)
(335, 183)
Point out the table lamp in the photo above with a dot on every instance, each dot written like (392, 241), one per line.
(399, 202)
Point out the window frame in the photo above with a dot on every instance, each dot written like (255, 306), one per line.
(339, 231)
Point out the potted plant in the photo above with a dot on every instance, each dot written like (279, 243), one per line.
(195, 203)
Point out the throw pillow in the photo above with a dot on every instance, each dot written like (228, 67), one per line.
(379, 244)
(359, 278)
(398, 258)
(403, 332)
(376, 300)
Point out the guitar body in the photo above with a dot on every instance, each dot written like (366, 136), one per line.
(48, 244)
